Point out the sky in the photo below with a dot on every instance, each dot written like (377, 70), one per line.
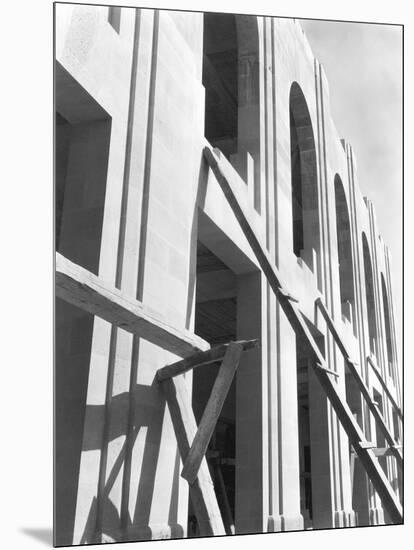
(363, 66)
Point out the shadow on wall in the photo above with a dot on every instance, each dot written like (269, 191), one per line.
(105, 521)
(199, 202)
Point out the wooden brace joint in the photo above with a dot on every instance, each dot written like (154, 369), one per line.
(200, 359)
(379, 452)
(287, 295)
(371, 362)
(328, 371)
(212, 412)
(366, 445)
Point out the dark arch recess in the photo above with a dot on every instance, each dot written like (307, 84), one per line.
(369, 295)
(305, 204)
(387, 320)
(343, 234)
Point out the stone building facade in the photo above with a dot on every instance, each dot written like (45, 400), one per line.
(139, 94)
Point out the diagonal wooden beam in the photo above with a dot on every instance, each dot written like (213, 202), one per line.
(385, 387)
(212, 411)
(373, 407)
(202, 493)
(344, 414)
(80, 287)
(221, 489)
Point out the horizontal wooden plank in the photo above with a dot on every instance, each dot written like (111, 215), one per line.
(202, 358)
(85, 290)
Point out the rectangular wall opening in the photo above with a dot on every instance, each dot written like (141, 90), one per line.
(216, 322)
(220, 79)
(82, 138)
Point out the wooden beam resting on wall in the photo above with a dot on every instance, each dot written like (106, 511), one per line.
(83, 289)
(333, 391)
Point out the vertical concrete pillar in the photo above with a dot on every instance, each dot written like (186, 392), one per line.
(250, 134)
(361, 490)
(158, 497)
(285, 464)
(330, 465)
(249, 505)
(322, 497)
(244, 164)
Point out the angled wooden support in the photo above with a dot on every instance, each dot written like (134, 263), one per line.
(376, 412)
(337, 400)
(333, 329)
(385, 387)
(202, 493)
(382, 451)
(212, 411)
(352, 366)
(193, 442)
(328, 371)
(287, 295)
(227, 515)
(351, 362)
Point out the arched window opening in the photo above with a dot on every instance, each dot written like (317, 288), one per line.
(343, 234)
(305, 214)
(369, 294)
(387, 324)
(297, 205)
